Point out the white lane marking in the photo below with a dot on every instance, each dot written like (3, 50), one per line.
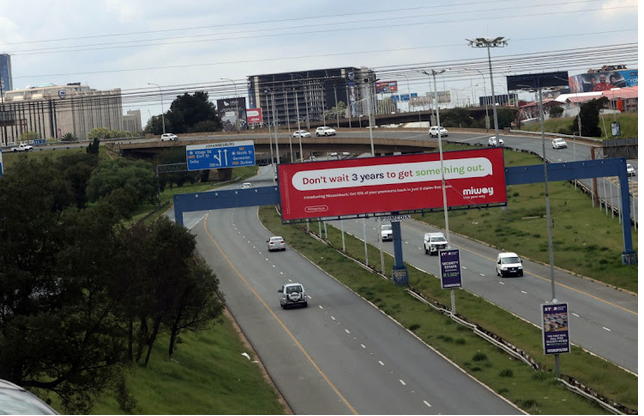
(482, 274)
(281, 272)
(428, 405)
(607, 329)
(501, 283)
(333, 317)
(362, 345)
(464, 268)
(273, 265)
(381, 363)
(402, 382)
(524, 292)
(320, 306)
(574, 314)
(347, 331)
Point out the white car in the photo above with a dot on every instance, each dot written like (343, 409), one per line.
(491, 141)
(630, 170)
(559, 144)
(293, 294)
(301, 133)
(433, 131)
(508, 264)
(275, 243)
(167, 137)
(433, 242)
(324, 131)
(246, 185)
(386, 232)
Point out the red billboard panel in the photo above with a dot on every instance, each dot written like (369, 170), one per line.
(254, 115)
(386, 87)
(393, 183)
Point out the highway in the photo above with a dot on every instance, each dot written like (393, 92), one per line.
(340, 355)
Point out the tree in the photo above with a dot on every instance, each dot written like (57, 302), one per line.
(137, 177)
(93, 148)
(29, 135)
(556, 111)
(170, 156)
(100, 133)
(198, 303)
(589, 112)
(189, 110)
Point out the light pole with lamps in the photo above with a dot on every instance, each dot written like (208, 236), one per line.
(162, 116)
(236, 104)
(408, 91)
(488, 43)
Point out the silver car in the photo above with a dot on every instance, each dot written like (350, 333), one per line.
(276, 243)
(559, 144)
(292, 294)
(301, 133)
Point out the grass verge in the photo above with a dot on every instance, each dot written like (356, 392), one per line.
(534, 392)
(208, 375)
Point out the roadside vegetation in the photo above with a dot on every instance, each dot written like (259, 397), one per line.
(568, 125)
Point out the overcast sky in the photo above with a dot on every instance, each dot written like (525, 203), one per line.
(129, 43)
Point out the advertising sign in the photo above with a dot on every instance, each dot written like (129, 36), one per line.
(220, 155)
(6, 83)
(556, 333)
(386, 87)
(450, 268)
(254, 115)
(391, 183)
(230, 110)
(603, 81)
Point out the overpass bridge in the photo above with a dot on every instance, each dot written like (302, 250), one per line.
(310, 146)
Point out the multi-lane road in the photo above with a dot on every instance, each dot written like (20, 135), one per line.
(341, 355)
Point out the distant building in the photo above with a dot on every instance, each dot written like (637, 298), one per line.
(6, 81)
(284, 97)
(54, 110)
(132, 121)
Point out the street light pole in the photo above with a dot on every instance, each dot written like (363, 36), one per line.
(440, 151)
(162, 116)
(236, 105)
(488, 43)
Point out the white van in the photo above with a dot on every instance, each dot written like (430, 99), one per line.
(508, 264)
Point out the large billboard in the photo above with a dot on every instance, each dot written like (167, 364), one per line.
(380, 185)
(230, 110)
(603, 81)
(386, 87)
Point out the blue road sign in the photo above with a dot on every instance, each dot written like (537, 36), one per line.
(220, 155)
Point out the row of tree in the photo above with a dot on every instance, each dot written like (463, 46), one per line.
(82, 297)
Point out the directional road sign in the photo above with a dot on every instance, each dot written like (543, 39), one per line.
(220, 155)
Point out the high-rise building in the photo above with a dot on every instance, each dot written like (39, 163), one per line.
(52, 111)
(309, 95)
(6, 81)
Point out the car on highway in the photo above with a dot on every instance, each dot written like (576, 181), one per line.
(246, 185)
(630, 170)
(168, 137)
(15, 400)
(491, 141)
(275, 243)
(508, 264)
(301, 133)
(386, 232)
(559, 143)
(22, 147)
(333, 154)
(433, 131)
(292, 294)
(432, 242)
(324, 131)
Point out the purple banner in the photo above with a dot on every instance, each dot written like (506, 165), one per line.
(556, 335)
(450, 268)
